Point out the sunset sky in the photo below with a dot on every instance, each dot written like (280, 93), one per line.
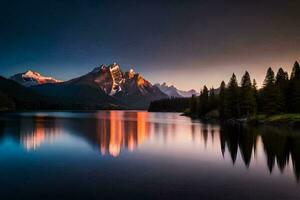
(186, 43)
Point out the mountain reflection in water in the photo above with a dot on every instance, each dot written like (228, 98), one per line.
(34, 132)
(115, 133)
(112, 132)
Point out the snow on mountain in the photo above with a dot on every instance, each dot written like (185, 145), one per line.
(172, 91)
(31, 78)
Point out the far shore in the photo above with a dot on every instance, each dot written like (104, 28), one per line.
(286, 119)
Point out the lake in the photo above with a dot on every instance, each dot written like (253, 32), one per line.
(141, 155)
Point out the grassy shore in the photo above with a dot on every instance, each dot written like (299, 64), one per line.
(287, 119)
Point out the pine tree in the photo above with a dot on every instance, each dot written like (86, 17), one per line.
(271, 99)
(213, 101)
(281, 78)
(203, 102)
(281, 82)
(270, 79)
(255, 92)
(296, 71)
(294, 89)
(232, 99)
(222, 100)
(247, 98)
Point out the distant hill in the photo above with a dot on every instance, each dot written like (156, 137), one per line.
(172, 91)
(15, 96)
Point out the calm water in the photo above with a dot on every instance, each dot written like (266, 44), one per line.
(140, 155)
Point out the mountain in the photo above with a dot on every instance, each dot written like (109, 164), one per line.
(30, 78)
(14, 96)
(188, 93)
(172, 91)
(105, 86)
(81, 93)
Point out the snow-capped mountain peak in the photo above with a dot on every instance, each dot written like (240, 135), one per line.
(34, 75)
(31, 78)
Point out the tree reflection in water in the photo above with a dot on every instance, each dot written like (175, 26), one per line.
(279, 144)
(111, 132)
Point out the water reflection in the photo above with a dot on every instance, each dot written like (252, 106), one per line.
(117, 130)
(279, 145)
(111, 132)
(37, 130)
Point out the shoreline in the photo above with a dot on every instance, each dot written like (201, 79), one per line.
(287, 119)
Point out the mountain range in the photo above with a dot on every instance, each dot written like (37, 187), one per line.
(105, 87)
(172, 91)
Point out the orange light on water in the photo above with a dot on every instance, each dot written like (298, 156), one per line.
(33, 137)
(116, 131)
(116, 134)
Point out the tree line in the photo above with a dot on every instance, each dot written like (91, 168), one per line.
(280, 93)
(173, 104)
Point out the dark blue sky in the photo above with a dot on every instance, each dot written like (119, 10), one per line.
(186, 43)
